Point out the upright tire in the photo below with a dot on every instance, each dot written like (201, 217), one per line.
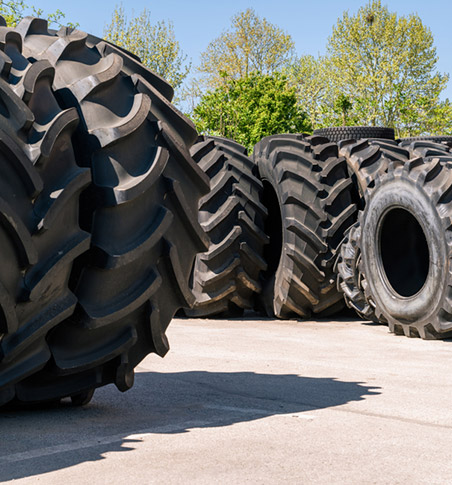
(405, 247)
(350, 279)
(226, 278)
(367, 161)
(140, 209)
(308, 194)
(40, 235)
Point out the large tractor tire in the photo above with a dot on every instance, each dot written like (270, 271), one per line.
(113, 283)
(308, 194)
(338, 133)
(350, 279)
(367, 161)
(226, 278)
(444, 139)
(405, 248)
(426, 148)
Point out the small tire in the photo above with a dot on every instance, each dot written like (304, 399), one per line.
(307, 192)
(406, 255)
(226, 278)
(338, 133)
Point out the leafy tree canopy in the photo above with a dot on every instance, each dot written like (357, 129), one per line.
(249, 108)
(155, 44)
(252, 44)
(14, 10)
(385, 66)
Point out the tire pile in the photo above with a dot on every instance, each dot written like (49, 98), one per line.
(352, 216)
(115, 214)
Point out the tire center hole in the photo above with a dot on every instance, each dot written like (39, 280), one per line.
(404, 252)
(273, 229)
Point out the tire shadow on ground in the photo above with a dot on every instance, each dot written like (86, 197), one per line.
(43, 440)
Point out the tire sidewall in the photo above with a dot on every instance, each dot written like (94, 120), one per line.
(405, 194)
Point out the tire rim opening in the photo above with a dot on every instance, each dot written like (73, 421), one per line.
(273, 229)
(404, 252)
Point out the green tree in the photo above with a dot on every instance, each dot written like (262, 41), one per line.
(14, 10)
(385, 66)
(249, 108)
(252, 44)
(155, 44)
(316, 93)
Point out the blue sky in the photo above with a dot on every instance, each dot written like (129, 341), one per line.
(309, 23)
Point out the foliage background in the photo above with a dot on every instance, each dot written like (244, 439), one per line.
(334, 88)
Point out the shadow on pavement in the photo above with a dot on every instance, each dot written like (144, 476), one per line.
(41, 441)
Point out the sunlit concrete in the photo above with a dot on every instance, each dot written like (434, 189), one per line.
(250, 401)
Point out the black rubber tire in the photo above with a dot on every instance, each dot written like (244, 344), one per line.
(40, 235)
(226, 278)
(350, 280)
(367, 161)
(307, 192)
(145, 232)
(406, 255)
(427, 149)
(445, 139)
(338, 133)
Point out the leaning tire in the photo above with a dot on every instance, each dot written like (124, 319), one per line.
(407, 258)
(144, 228)
(339, 133)
(307, 192)
(226, 278)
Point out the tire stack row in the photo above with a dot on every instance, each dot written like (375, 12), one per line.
(115, 214)
(345, 215)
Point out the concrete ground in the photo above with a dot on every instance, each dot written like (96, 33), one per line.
(248, 401)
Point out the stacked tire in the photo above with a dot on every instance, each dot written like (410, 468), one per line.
(227, 277)
(97, 232)
(394, 264)
(310, 199)
(361, 220)
(276, 223)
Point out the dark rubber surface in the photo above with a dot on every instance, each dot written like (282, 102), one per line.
(338, 133)
(309, 196)
(446, 139)
(226, 278)
(350, 280)
(140, 208)
(405, 247)
(367, 161)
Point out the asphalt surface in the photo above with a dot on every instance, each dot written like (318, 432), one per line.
(249, 401)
